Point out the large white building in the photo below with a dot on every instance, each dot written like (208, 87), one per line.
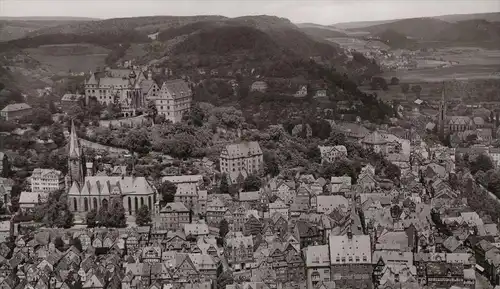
(241, 159)
(118, 86)
(173, 100)
(46, 180)
(351, 260)
(132, 90)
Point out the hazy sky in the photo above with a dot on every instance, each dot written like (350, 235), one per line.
(316, 11)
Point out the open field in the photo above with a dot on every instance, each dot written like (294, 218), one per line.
(461, 72)
(470, 56)
(69, 57)
(359, 44)
(136, 51)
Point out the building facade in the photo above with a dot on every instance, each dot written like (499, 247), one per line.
(243, 157)
(173, 100)
(330, 154)
(173, 216)
(118, 86)
(351, 260)
(15, 111)
(46, 180)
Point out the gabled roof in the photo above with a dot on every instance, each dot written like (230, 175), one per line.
(16, 107)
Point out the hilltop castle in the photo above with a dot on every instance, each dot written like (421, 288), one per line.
(132, 90)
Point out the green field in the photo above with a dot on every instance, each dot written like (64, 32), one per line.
(460, 72)
(69, 57)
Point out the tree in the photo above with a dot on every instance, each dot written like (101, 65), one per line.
(117, 214)
(39, 117)
(417, 89)
(152, 111)
(112, 111)
(6, 166)
(405, 87)
(137, 141)
(167, 192)
(378, 83)
(394, 81)
(314, 154)
(195, 116)
(57, 134)
(271, 166)
(251, 184)
(224, 186)
(76, 243)
(91, 218)
(337, 138)
(2, 207)
(76, 113)
(481, 163)
(55, 211)
(223, 228)
(52, 107)
(143, 216)
(59, 243)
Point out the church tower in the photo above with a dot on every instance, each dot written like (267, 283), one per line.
(75, 159)
(442, 114)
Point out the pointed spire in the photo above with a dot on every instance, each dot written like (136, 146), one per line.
(74, 147)
(92, 79)
(443, 93)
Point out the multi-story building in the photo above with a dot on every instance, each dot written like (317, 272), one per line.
(46, 180)
(279, 207)
(236, 219)
(252, 226)
(238, 250)
(351, 260)
(173, 216)
(329, 154)
(243, 157)
(69, 100)
(173, 100)
(15, 111)
(118, 86)
(317, 265)
(189, 192)
(442, 274)
(215, 211)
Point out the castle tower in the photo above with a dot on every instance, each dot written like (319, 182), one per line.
(442, 114)
(75, 159)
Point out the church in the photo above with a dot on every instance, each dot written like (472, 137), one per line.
(451, 124)
(94, 192)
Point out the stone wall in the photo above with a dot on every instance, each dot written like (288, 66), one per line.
(136, 121)
(92, 145)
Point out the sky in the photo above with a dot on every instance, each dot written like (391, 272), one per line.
(299, 11)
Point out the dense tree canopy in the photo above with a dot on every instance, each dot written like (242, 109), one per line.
(55, 211)
(167, 191)
(143, 216)
(252, 183)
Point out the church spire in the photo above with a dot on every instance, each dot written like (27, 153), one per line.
(74, 147)
(442, 113)
(76, 159)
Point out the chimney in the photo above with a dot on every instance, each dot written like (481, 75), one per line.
(150, 75)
